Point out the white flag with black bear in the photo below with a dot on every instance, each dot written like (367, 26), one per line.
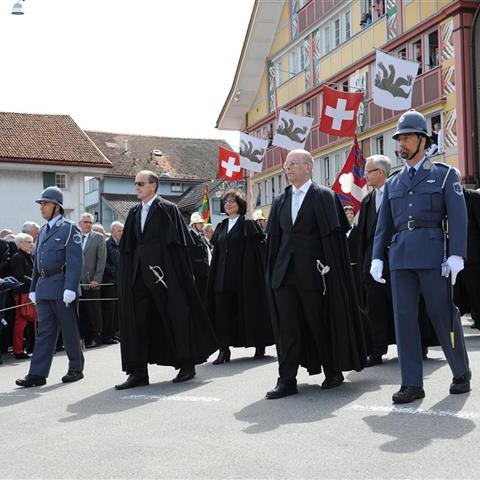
(393, 82)
(292, 130)
(252, 151)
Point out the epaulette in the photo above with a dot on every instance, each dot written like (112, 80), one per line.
(441, 164)
(392, 174)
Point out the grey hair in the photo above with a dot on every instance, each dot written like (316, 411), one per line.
(22, 237)
(87, 215)
(116, 224)
(207, 226)
(29, 226)
(382, 162)
(305, 155)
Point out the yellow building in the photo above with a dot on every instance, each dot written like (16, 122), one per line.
(303, 45)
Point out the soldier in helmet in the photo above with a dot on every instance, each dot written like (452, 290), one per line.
(54, 290)
(416, 202)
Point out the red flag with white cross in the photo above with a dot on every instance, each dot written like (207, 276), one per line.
(229, 164)
(339, 112)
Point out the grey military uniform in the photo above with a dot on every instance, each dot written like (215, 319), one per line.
(410, 221)
(57, 267)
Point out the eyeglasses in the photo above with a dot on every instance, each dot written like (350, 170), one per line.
(292, 164)
(229, 200)
(86, 221)
(140, 184)
(372, 170)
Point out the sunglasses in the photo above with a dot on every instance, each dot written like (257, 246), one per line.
(140, 184)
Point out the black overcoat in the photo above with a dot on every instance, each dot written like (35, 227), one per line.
(340, 308)
(183, 330)
(238, 264)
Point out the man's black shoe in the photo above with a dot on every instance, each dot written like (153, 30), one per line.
(259, 352)
(425, 353)
(374, 360)
(408, 394)
(31, 381)
(461, 384)
(133, 381)
(21, 356)
(109, 341)
(185, 374)
(283, 389)
(72, 376)
(332, 381)
(92, 344)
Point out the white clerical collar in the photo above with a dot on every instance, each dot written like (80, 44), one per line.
(149, 203)
(304, 188)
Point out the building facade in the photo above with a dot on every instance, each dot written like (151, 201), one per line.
(314, 43)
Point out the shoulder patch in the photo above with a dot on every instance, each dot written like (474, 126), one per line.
(457, 188)
(77, 238)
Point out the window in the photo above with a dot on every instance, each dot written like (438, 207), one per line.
(348, 28)
(379, 146)
(48, 179)
(176, 187)
(417, 55)
(61, 180)
(432, 49)
(402, 53)
(326, 40)
(307, 109)
(326, 171)
(278, 74)
(272, 180)
(338, 164)
(336, 25)
(91, 185)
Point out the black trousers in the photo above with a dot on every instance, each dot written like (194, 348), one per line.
(109, 311)
(381, 327)
(300, 323)
(90, 313)
(471, 277)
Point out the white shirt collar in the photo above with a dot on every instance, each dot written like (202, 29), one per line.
(54, 220)
(304, 188)
(381, 189)
(149, 203)
(416, 166)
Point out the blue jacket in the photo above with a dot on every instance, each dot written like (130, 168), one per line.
(421, 199)
(61, 246)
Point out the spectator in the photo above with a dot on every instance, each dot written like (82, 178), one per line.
(22, 266)
(32, 229)
(98, 227)
(366, 19)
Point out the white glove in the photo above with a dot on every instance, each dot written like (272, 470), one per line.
(32, 297)
(376, 270)
(68, 297)
(456, 265)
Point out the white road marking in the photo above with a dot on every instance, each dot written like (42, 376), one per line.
(171, 398)
(414, 411)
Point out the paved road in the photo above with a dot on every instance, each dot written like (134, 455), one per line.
(220, 426)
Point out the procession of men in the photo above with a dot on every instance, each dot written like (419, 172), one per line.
(336, 299)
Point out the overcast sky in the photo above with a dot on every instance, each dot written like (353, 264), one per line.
(152, 67)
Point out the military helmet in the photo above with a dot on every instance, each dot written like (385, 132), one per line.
(52, 194)
(195, 217)
(412, 122)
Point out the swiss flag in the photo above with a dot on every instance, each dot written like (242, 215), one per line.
(350, 184)
(229, 164)
(339, 112)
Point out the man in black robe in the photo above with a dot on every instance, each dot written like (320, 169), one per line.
(316, 318)
(199, 253)
(162, 319)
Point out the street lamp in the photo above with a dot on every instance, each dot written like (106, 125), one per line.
(17, 8)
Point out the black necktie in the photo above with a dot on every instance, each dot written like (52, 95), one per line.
(411, 172)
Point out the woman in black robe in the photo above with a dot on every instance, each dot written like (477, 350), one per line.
(236, 284)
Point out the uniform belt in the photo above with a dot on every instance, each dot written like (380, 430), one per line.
(413, 224)
(52, 271)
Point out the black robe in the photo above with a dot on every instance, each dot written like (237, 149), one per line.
(244, 273)
(185, 332)
(340, 308)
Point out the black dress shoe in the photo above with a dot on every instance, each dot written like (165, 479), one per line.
(374, 360)
(72, 376)
(92, 344)
(133, 381)
(332, 381)
(185, 374)
(223, 356)
(31, 381)
(461, 384)
(408, 394)
(425, 353)
(21, 356)
(59, 348)
(109, 341)
(259, 352)
(283, 389)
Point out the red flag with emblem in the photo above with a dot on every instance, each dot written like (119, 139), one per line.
(339, 112)
(229, 164)
(350, 184)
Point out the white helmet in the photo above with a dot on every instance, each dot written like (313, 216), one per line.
(195, 217)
